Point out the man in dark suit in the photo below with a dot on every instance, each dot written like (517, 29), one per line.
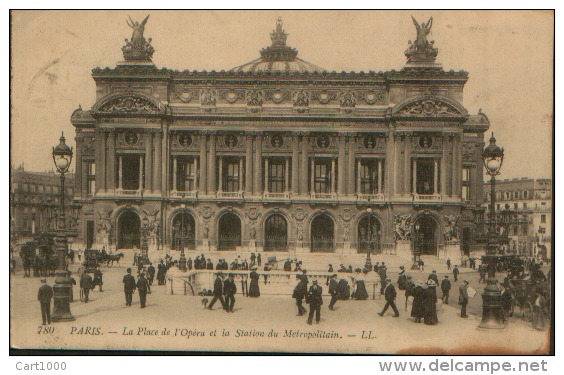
(150, 273)
(189, 264)
(448, 264)
(72, 282)
(390, 295)
(217, 291)
(44, 296)
(128, 287)
(161, 272)
(433, 276)
(288, 265)
(455, 273)
(333, 291)
(315, 300)
(463, 299)
(299, 293)
(445, 287)
(86, 285)
(259, 259)
(143, 287)
(229, 290)
(98, 279)
(209, 265)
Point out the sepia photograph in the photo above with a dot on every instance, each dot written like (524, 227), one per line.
(276, 181)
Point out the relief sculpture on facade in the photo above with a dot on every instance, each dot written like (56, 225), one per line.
(450, 228)
(402, 227)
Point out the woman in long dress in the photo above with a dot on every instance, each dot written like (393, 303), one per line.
(360, 293)
(430, 304)
(418, 306)
(254, 290)
(540, 311)
(343, 290)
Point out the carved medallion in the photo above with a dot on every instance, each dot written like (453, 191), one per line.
(185, 140)
(323, 97)
(131, 138)
(206, 212)
(278, 96)
(184, 95)
(299, 214)
(230, 141)
(88, 146)
(322, 141)
(231, 96)
(425, 141)
(369, 142)
(277, 141)
(253, 213)
(372, 97)
(347, 215)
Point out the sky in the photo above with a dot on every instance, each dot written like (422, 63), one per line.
(508, 54)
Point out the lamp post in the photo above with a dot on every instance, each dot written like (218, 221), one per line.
(416, 251)
(62, 157)
(492, 313)
(182, 261)
(368, 263)
(144, 241)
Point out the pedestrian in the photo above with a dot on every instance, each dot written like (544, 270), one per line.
(254, 290)
(482, 271)
(463, 298)
(150, 273)
(540, 311)
(217, 291)
(288, 265)
(79, 255)
(390, 295)
(430, 304)
(299, 293)
(72, 282)
(421, 265)
(97, 279)
(253, 259)
(445, 288)
(267, 268)
(161, 272)
(315, 300)
(360, 292)
(259, 260)
(209, 265)
(144, 288)
(189, 264)
(418, 307)
(229, 290)
(44, 296)
(455, 273)
(333, 291)
(402, 279)
(86, 285)
(128, 287)
(433, 276)
(448, 264)
(330, 270)
(343, 289)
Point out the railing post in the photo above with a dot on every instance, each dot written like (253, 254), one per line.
(184, 287)
(171, 288)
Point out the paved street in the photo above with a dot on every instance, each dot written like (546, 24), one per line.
(105, 322)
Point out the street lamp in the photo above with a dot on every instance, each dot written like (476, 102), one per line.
(144, 241)
(416, 251)
(182, 261)
(62, 157)
(492, 313)
(368, 263)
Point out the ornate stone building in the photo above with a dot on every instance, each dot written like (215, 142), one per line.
(281, 155)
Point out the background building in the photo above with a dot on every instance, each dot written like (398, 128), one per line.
(280, 155)
(35, 203)
(527, 204)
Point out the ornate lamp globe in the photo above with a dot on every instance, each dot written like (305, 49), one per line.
(493, 157)
(62, 155)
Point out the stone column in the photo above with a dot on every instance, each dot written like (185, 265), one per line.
(341, 166)
(459, 165)
(174, 173)
(358, 182)
(212, 187)
(148, 160)
(304, 165)
(266, 175)
(203, 164)
(141, 177)
(195, 171)
(295, 163)
(240, 175)
(436, 177)
(101, 169)
(159, 166)
(332, 175)
(84, 175)
(380, 191)
(414, 179)
(257, 189)
(351, 165)
(456, 166)
(120, 177)
(286, 176)
(398, 188)
(98, 160)
(406, 165)
(312, 176)
(79, 181)
(111, 161)
(249, 164)
(220, 173)
(442, 174)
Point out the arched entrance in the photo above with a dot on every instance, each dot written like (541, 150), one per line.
(129, 230)
(183, 231)
(275, 233)
(426, 236)
(229, 232)
(369, 235)
(322, 234)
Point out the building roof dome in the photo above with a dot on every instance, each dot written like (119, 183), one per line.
(278, 57)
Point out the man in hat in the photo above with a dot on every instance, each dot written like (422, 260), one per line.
(259, 260)
(433, 276)
(150, 273)
(445, 287)
(463, 299)
(455, 273)
(219, 265)
(143, 287)
(189, 264)
(333, 291)
(128, 287)
(315, 300)
(253, 259)
(299, 293)
(86, 285)
(217, 291)
(209, 265)
(448, 264)
(229, 290)
(44, 296)
(72, 282)
(161, 272)
(288, 265)
(245, 265)
(98, 279)
(390, 295)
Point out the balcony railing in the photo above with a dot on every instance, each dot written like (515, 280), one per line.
(427, 198)
(184, 194)
(323, 196)
(277, 196)
(128, 193)
(370, 197)
(230, 194)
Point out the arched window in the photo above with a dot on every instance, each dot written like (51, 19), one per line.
(229, 232)
(275, 233)
(322, 234)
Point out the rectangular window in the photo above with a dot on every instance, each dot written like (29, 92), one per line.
(185, 174)
(322, 176)
(425, 183)
(465, 192)
(525, 231)
(515, 231)
(369, 177)
(543, 219)
(465, 174)
(525, 205)
(276, 175)
(231, 174)
(90, 177)
(515, 206)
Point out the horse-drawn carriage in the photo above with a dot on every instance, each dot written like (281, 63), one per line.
(274, 264)
(91, 262)
(524, 293)
(40, 255)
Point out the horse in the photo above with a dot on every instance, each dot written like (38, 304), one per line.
(111, 258)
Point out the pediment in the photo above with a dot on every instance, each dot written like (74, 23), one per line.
(429, 106)
(128, 104)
